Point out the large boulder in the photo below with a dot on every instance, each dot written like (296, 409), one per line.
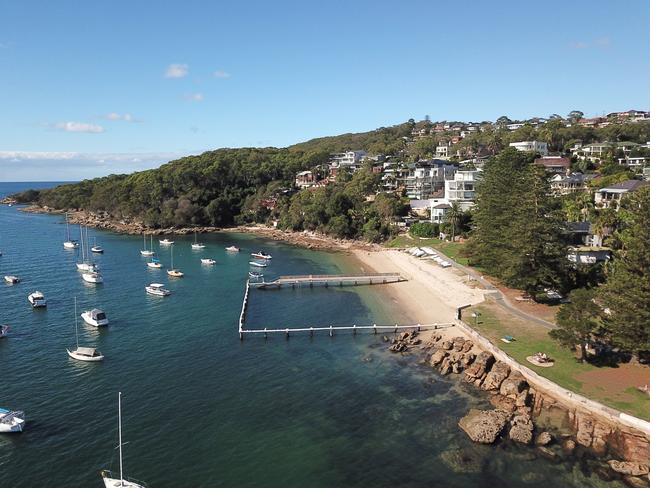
(495, 377)
(480, 366)
(521, 429)
(467, 345)
(513, 385)
(457, 343)
(503, 403)
(544, 439)
(629, 468)
(484, 426)
(437, 357)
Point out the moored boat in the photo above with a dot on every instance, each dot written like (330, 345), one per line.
(37, 299)
(257, 265)
(154, 263)
(11, 421)
(4, 330)
(11, 279)
(255, 275)
(95, 317)
(69, 243)
(208, 261)
(92, 277)
(87, 354)
(173, 272)
(232, 249)
(165, 242)
(157, 289)
(261, 255)
(197, 245)
(145, 251)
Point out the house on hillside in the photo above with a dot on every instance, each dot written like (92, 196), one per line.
(555, 164)
(565, 185)
(438, 212)
(305, 179)
(596, 151)
(426, 178)
(460, 189)
(610, 196)
(537, 147)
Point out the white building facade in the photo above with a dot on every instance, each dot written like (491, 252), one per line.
(536, 147)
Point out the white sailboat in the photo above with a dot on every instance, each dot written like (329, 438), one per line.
(111, 480)
(86, 263)
(196, 244)
(176, 273)
(232, 249)
(87, 354)
(165, 242)
(96, 249)
(93, 277)
(145, 251)
(12, 279)
(69, 243)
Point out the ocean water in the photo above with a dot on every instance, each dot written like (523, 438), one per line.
(202, 408)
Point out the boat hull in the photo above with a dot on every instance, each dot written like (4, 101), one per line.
(147, 253)
(95, 323)
(12, 280)
(14, 427)
(92, 278)
(154, 265)
(111, 481)
(257, 265)
(175, 273)
(82, 357)
(70, 245)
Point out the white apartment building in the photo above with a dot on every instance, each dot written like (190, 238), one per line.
(461, 189)
(349, 158)
(531, 146)
(426, 179)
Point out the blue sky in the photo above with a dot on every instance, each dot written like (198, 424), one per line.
(91, 88)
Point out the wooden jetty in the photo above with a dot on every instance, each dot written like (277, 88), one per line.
(332, 329)
(329, 280)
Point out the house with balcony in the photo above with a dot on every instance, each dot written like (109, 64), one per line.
(565, 185)
(554, 164)
(460, 189)
(427, 178)
(611, 196)
(536, 147)
(305, 179)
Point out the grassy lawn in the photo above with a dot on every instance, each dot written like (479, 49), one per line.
(449, 249)
(494, 323)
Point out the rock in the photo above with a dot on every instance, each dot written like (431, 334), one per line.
(467, 345)
(469, 358)
(521, 429)
(437, 357)
(385, 339)
(568, 446)
(548, 453)
(484, 426)
(585, 430)
(544, 439)
(521, 400)
(446, 345)
(599, 441)
(513, 385)
(629, 468)
(457, 343)
(462, 461)
(634, 482)
(503, 403)
(481, 365)
(495, 377)
(404, 335)
(445, 366)
(457, 367)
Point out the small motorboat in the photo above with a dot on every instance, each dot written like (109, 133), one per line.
(4, 330)
(11, 421)
(232, 249)
(258, 265)
(71, 244)
(165, 242)
(175, 273)
(95, 317)
(12, 280)
(88, 354)
(208, 261)
(97, 249)
(157, 289)
(261, 255)
(37, 299)
(154, 263)
(93, 277)
(255, 275)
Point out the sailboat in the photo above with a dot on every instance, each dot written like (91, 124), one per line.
(69, 243)
(86, 263)
(165, 242)
(111, 480)
(176, 273)
(96, 249)
(88, 354)
(145, 251)
(196, 244)
(154, 263)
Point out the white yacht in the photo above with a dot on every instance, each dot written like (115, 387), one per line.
(69, 243)
(87, 354)
(173, 272)
(257, 265)
(37, 299)
(197, 245)
(208, 261)
(11, 421)
(157, 289)
(86, 263)
(95, 317)
(232, 249)
(93, 277)
(261, 255)
(145, 251)
(154, 263)
(11, 279)
(165, 242)
(114, 480)
(4, 330)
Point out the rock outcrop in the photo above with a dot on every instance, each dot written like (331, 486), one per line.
(479, 368)
(484, 426)
(498, 373)
(629, 468)
(521, 429)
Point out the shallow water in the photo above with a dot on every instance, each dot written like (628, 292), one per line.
(201, 408)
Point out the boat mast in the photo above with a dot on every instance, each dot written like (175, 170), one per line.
(67, 227)
(172, 256)
(119, 430)
(144, 240)
(81, 234)
(76, 329)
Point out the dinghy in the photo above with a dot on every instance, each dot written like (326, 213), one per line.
(11, 421)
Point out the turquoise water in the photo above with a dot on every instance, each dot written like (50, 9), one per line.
(201, 408)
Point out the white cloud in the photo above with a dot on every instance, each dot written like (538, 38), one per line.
(124, 117)
(600, 43)
(194, 97)
(176, 70)
(221, 74)
(79, 127)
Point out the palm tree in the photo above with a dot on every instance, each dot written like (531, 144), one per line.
(452, 217)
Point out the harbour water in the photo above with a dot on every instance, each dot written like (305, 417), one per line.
(201, 408)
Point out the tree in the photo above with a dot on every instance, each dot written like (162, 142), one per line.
(627, 291)
(577, 321)
(575, 115)
(452, 217)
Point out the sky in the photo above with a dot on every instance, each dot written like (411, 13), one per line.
(94, 88)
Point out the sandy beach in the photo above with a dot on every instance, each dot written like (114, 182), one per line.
(431, 294)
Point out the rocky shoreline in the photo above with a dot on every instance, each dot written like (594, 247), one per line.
(520, 410)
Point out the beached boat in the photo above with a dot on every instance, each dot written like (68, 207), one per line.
(11, 279)
(154, 263)
(261, 255)
(37, 299)
(255, 275)
(11, 421)
(257, 265)
(157, 289)
(114, 480)
(92, 277)
(145, 251)
(87, 354)
(165, 242)
(69, 243)
(4, 330)
(232, 249)
(197, 245)
(208, 261)
(173, 272)
(95, 317)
